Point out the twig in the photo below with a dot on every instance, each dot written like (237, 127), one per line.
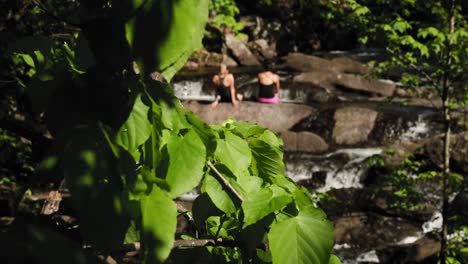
(195, 243)
(226, 182)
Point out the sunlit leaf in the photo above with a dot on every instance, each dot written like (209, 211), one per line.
(136, 129)
(187, 157)
(305, 238)
(159, 221)
(234, 153)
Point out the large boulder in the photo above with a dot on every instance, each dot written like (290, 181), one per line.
(277, 117)
(308, 63)
(348, 65)
(262, 47)
(321, 79)
(356, 82)
(240, 51)
(353, 125)
(303, 142)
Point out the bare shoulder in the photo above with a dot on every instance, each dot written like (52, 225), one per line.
(276, 77)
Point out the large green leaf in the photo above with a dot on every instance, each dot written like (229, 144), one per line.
(219, 194)
(268, 162)
(187, 158)
(159, 221)
(264, 202)
(305, 238)
(136, 130)
(245, 129)
(234, 153)
(204, 131)
(177, 28)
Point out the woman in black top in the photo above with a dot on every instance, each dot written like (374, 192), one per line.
(225, 89)
(269, 84)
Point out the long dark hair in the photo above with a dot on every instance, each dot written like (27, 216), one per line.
(268, 64)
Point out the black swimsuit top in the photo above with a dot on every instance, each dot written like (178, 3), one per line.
(223, 91)
(267, 91)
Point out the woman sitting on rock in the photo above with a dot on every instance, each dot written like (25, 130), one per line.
(225, 90)
(269, 84)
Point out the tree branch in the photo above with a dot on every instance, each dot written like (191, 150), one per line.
(226, 182)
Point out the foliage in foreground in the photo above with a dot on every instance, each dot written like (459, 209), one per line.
(127, 148)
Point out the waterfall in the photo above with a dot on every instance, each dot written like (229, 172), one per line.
(344, 168)
(192, 90)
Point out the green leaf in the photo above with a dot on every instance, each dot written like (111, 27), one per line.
(187, 158)
(159, 221)
(246, 130)
(267, 161)
(271, 138)
(177, 30)
(136, 129)
(334, 260)
(234, 153)
(401, 25)
(204, 131)
(262, 203)
(305, 238)
(219, 194)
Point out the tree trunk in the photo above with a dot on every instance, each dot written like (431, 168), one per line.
(447, 132)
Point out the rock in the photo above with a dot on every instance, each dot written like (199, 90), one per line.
(261, 45)
(321, 79)
(191, 65)
(356, 82)
(308, 63)
(241, 52)
(417, 252)
(348, 65)
(230, 62)
(277, 117)
(303, 142)
(458, 151)
(353, 125)
(370, 231)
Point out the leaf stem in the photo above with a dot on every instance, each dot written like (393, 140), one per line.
(226, 182)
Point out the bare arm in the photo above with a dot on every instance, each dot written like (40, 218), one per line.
(232, 90)
(215, 81)
(277, 84)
